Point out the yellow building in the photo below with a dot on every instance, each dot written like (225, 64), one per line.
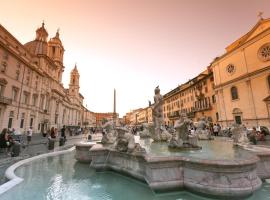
(31, 89)
(142, 116)
(242, 78)
(196, 98)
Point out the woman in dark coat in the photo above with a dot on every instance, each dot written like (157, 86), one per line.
(4, 141)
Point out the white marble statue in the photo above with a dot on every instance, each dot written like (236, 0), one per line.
(202, 130)
(239, 135)
(182, 139)
(145, 133)
(157, 112)
(109, 134)
(125, 142)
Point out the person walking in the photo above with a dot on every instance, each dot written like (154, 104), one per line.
(53, 132)
(215, 129)
(4, 142)
(29, 135)
(63, 132)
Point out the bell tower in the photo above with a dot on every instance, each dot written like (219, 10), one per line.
(56, 53)
(74, 84)
(56, 49)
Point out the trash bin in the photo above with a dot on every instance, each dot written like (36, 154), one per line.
(51, 144)
(16, 149)
(61, 141)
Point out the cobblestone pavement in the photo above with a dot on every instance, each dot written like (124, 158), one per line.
(38, 145)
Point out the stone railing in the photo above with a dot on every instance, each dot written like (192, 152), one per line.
(222, 178)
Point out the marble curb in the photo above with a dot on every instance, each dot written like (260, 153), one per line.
(15, 180)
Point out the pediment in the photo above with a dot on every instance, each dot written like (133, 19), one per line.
(261, 26)
(259, 29)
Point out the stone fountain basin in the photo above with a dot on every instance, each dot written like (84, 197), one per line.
(222, 178)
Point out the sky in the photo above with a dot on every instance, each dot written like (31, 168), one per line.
(134, 45)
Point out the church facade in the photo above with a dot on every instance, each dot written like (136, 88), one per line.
(31, 89)
(242, 79)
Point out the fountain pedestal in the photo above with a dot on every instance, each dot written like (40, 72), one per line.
(222, 178)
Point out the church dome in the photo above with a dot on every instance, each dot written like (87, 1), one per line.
(41, 33)
(39, 45)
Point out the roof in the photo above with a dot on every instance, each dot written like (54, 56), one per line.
(261, 26)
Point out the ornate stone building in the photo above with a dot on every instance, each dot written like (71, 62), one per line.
(101, 118)
(242, 78)
(31, 89)
(196, 98)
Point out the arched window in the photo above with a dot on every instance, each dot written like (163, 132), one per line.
(268, 81)
(234, 93)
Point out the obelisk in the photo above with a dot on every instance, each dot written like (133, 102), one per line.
(114, 107)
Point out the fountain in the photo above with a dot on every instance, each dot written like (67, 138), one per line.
(221, 177)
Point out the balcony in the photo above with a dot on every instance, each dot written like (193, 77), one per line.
(5, 100)
(203, 108)
(191, 114)
(173, 115)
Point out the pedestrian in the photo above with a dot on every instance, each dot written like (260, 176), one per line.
(29, 135)
(4, 142)
(63, 132)
(53, 132)
(215, 129)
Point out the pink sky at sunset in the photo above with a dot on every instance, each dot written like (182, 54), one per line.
(134, 46)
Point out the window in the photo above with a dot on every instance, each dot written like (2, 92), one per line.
(217, 116)
(25, 98)
(234, 93)
(41, 103)
(14, 93)
(31, 121)
(2, 88)
(34, 99)
(4, 66)
(268, 81)
(264, 52)
(27, 80)
(36, 84)
(17, 75)
(10, 122)
(5, 55)
(206, 89)
(56, 118)
(10, 119)
(22, 120)
(213, 98)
